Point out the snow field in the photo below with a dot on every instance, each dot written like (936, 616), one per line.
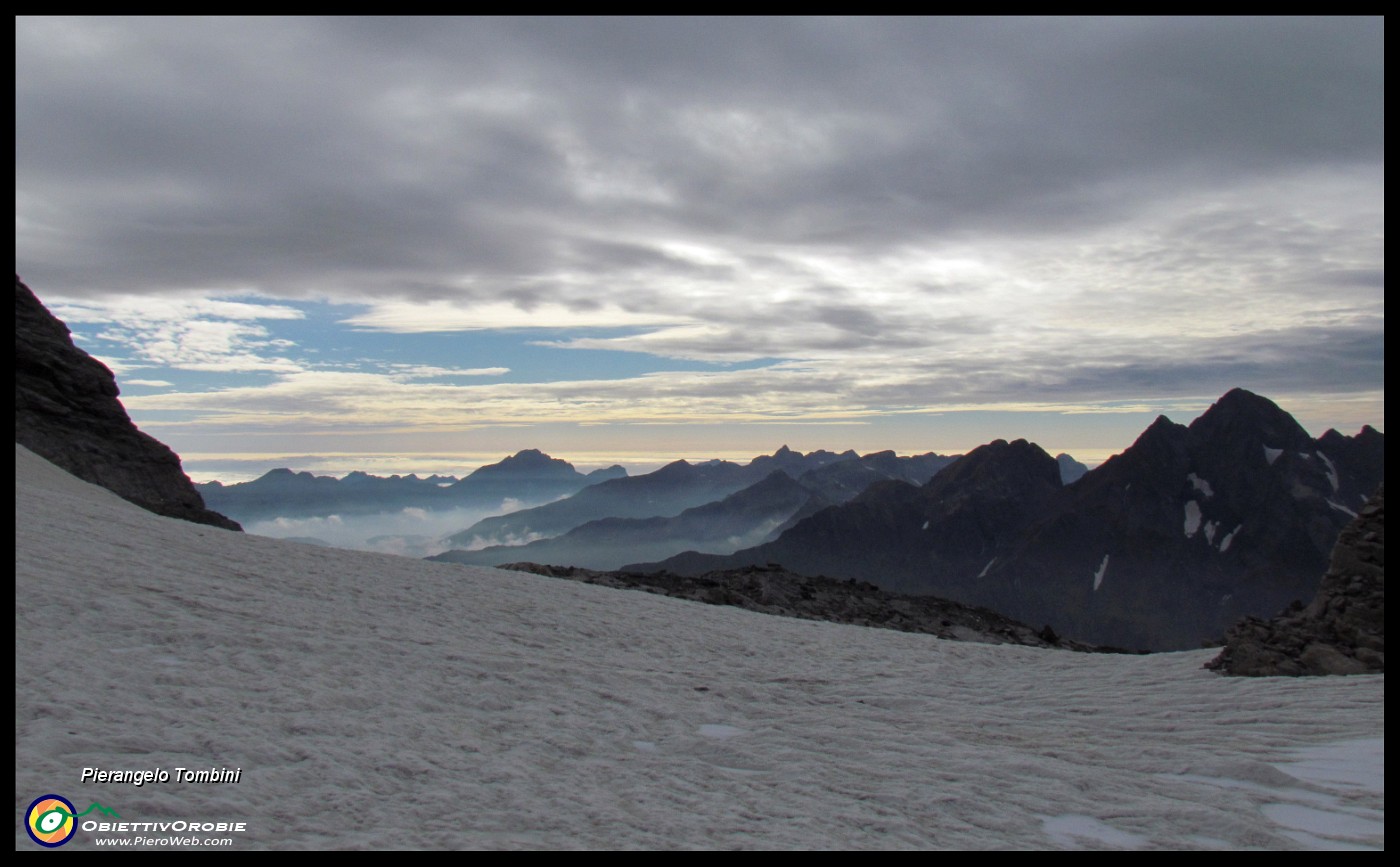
(377, 702)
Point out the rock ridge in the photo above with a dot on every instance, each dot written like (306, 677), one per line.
(66, 411)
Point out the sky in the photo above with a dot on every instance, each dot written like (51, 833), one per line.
(423, 244)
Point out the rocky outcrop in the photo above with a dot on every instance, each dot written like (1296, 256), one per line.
(1341, 632)
(771, 589)
(66, 410)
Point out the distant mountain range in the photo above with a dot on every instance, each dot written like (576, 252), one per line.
(528, 477)
(716, 506)
(1162, 547)
(746, 517)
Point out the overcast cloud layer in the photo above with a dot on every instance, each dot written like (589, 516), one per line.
(778, 220)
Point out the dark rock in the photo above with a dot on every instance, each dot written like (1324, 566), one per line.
(66, 411)
(1341, 632)
(773, 590)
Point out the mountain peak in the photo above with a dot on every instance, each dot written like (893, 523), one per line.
(528, 460)
(1243, 417)
(998, 468)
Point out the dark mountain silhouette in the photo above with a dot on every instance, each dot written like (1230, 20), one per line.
(842, 481)
(895, 534)
(1162, 547)
(67, 411)
(1190, 529)
(795, 464)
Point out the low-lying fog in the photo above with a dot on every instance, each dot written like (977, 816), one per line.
(410, 532)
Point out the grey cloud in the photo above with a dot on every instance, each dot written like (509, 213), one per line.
(302, 143)
(546, 161)
(1338, 361)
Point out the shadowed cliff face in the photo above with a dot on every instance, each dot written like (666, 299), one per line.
(66, 410)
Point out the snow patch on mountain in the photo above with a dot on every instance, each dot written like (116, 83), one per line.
(1332, 476)
(1340, 508)
(1193, 518)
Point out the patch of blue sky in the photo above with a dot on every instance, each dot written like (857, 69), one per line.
(320, 339)
(324, 341)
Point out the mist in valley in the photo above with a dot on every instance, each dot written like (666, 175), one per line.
(409, 532)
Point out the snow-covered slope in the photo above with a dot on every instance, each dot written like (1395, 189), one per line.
(374, 701)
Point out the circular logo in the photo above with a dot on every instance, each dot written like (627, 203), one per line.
(50, 821)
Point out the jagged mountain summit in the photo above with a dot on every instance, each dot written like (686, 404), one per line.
(529, 477)
(67, 411)
(1162, 547)
(1191, 528)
